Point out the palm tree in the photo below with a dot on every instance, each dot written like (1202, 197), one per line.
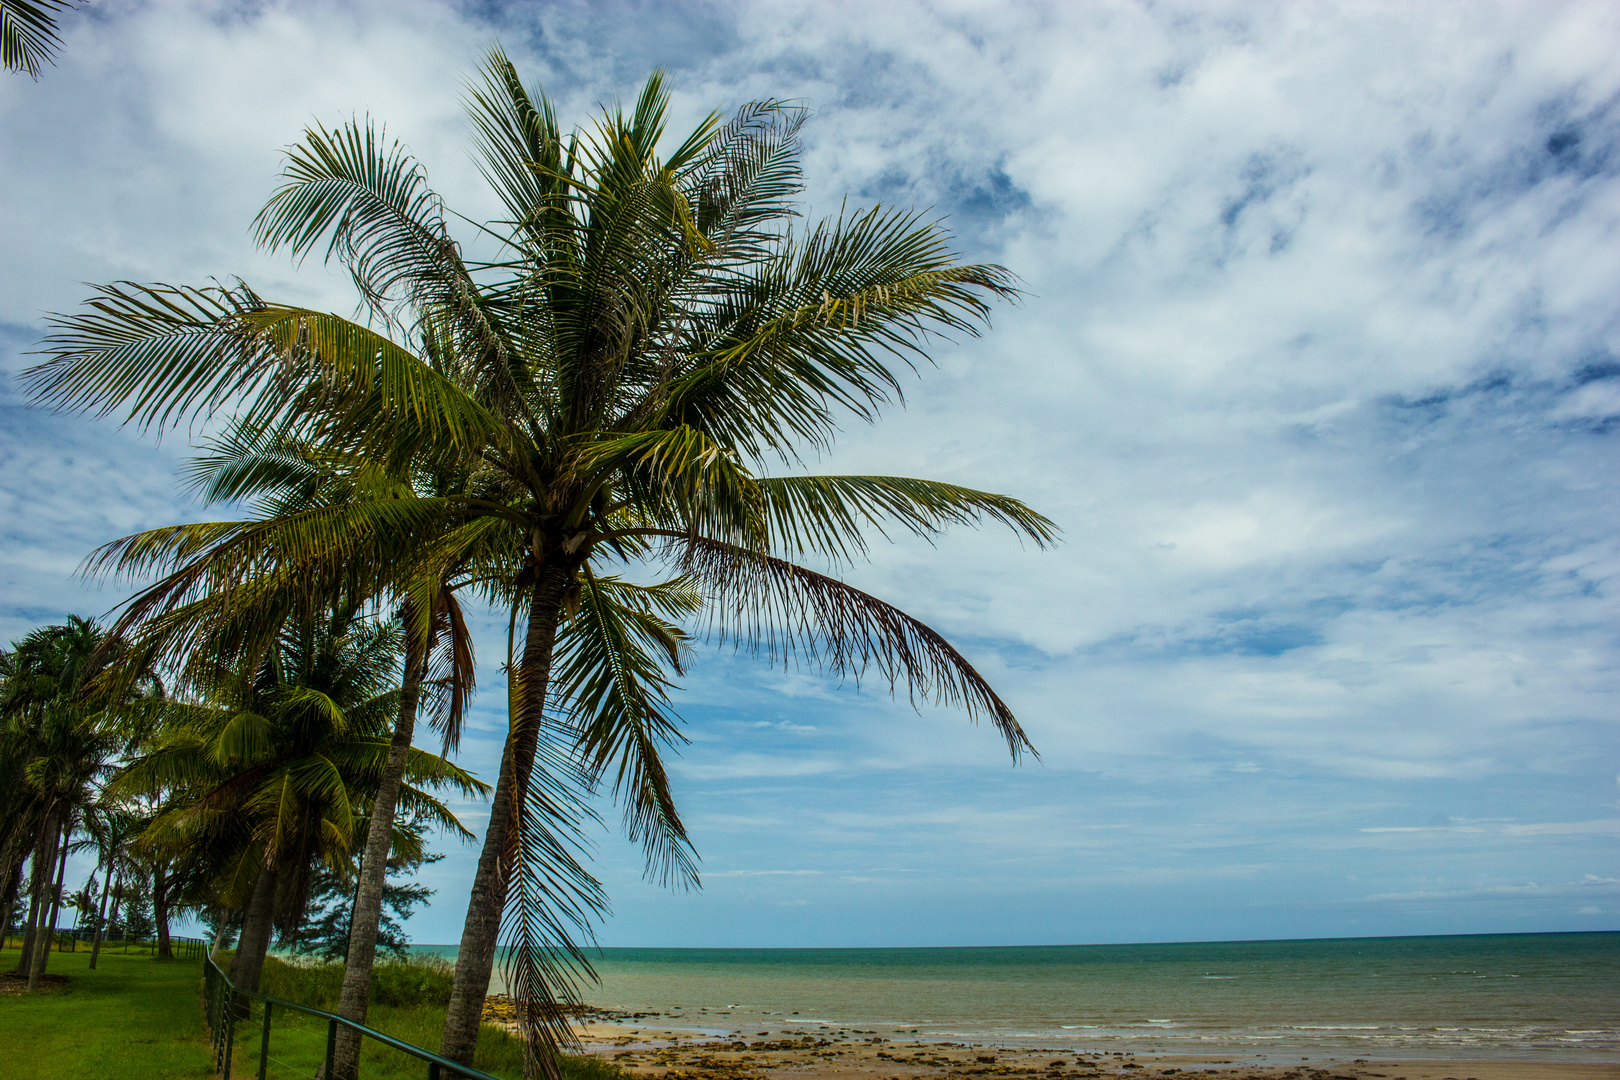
(28, 34)
(654, 336)
(112, 830)
(63, 742)
(274, 768)
(286, 477)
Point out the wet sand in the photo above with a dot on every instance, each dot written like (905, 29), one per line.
(645, 1047)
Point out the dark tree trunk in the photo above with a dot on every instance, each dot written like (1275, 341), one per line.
(107, 887)
(10, 898)
(476, 957)
(13, 867)
(44, 958)
(256, 927)
(42, 938)
(367, 913)
(160, 909)
(36, 893)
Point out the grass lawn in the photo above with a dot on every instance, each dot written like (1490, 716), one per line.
(133, 1017)
(137, 1018)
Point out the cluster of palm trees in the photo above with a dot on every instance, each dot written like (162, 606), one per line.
(575, 429)
(183, 800)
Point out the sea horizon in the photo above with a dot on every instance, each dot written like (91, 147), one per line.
(1534, 996)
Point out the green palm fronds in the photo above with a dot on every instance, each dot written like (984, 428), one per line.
(601, 400)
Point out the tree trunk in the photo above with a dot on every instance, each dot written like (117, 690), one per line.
(12, 866)
(36, 874)
(476, 956)
(160, 909)
(256, 928)
(101, 919)
(367, 913)
(44, 956)
(42, 884)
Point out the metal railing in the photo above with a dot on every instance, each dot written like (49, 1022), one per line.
(69, 940)
(227, 1005)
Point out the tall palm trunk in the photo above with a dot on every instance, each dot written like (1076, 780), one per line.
(41, 943)
(256, 927)
(43, 957)
(107, 886)
(37, 873)
(13, 871)
(476, 957)
(367, 914)
(160, 909)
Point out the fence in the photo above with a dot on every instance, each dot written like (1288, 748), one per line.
(184, 948)
(229, 1007)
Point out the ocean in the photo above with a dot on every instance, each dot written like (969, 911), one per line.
(1552, 997)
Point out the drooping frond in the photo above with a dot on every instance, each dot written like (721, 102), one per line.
(829, 515)
(553, 901)
(610, 674)
(782, 610)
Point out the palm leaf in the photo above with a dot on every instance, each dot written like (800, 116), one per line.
(782, 610)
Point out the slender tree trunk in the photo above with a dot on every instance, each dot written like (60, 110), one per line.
(12, 866)
(36, 892)
(44, 957)
(101, 920)
(367, 913)
(160, 909)
(256, 928)
(41, 943)
(476, 956)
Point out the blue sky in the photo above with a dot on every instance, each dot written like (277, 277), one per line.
(1319, 371)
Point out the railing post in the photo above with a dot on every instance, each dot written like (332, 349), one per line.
(230, 1040)
(264, 1044)
(433, 1071)
(331, 1048)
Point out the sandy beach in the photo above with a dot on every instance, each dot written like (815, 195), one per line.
(658, 1052)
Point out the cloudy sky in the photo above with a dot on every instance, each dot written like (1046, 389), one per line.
(1318, 370)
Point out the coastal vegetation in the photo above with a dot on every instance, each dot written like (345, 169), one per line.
(579, 429)
(137, 1019)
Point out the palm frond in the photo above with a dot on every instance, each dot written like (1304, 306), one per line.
(610, 673)
(28, 33)
(783, 610)
(829, 515)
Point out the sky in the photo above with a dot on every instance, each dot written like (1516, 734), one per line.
(1317, 368)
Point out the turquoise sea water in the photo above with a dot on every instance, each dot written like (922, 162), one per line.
(1550, 996)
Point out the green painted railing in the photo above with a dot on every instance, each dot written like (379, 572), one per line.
(227, 1005)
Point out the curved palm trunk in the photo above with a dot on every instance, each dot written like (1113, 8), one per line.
(29, 925)
(160, 909)
(42, 931)
(356, 994)
(13, 880)
(256, 928)
(476, 957)
(42, 857)
(107, 886)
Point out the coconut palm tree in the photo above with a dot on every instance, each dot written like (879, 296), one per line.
(286, 476)
(112, 830)
(275, 766)
(652, 338)
(62, 739)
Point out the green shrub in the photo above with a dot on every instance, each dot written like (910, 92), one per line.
(417, 980)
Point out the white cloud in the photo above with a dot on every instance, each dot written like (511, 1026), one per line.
(1317, 371)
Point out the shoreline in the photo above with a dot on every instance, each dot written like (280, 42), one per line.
(648, 1047)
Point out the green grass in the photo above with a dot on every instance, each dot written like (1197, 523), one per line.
(133, 1017)
(137, 1018)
